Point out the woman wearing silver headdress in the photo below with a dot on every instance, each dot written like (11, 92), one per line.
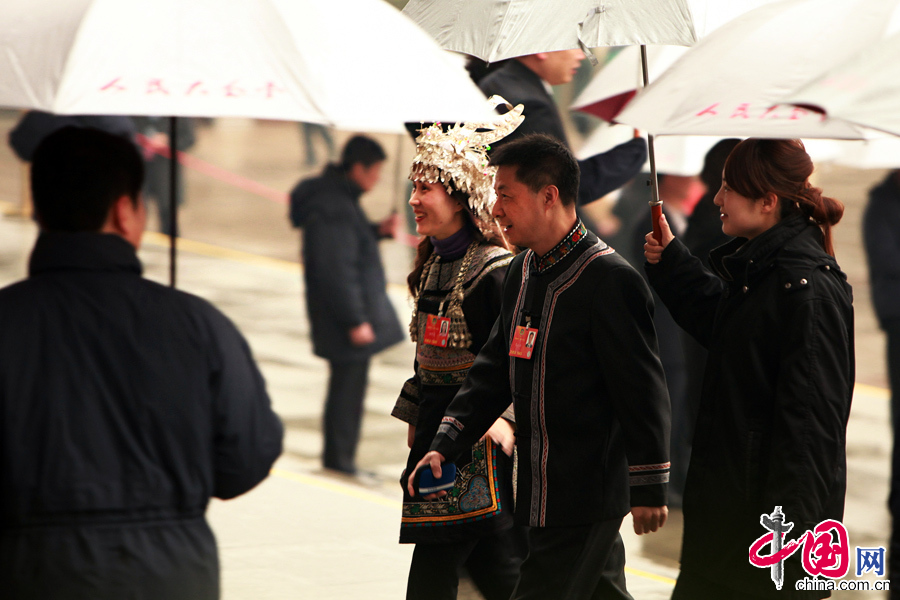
(456, 282)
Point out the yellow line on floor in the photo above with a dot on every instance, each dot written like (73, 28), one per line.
(339, 488)
(650, 576)
(213, 251)
(871, 390)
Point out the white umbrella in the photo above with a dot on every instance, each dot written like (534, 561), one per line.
(495, 30)
(621, 78)
(353, 64)
(731, 82)
(498, 29)
(864, 89)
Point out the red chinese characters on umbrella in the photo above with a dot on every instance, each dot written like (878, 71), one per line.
(746, 110)
(161, 87)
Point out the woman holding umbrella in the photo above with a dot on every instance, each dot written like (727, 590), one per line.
(456, 285)
(777, 319)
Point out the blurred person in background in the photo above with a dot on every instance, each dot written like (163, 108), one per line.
(124, 405)
(158, 183)
(526, 80)
(704, 225)
(776, 315)
(679, 194)
(881, 233)
(309, 131)
(456, 286)
(350, 314)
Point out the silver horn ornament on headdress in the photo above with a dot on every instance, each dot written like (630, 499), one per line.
(458, 159)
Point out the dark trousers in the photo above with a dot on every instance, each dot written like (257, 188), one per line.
(574, 563)
(494, 563)
(343, 414)
(892, 329)
(434, 572)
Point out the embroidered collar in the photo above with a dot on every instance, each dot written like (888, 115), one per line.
(562, 249)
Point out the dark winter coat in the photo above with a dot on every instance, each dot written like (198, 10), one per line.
(124, 405)
(345, 282)
(601, 173)
(881, 232)
(771, 431)
(591, 407)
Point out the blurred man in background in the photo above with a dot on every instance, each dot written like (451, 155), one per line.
(346, 297)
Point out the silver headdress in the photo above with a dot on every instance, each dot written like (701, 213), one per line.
(457, 158)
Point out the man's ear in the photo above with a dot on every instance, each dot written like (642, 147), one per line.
(550, 196)
(126, 219)
(119, 215)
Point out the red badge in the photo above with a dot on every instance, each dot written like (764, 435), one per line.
(523, 342)
(437, 330)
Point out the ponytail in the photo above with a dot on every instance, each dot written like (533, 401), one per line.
(824, 211)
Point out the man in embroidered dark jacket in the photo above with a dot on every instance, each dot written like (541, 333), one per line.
(591, 405)
(124, 404)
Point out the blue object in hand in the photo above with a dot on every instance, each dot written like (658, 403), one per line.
(428, 484)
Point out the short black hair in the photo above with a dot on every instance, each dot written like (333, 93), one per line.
(78, 173)
(541, 160)
(361, 149)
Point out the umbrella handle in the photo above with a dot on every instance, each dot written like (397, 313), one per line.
(655, 214)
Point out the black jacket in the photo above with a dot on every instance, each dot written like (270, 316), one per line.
(124, 405)
(601, 173)
(881, 232)
(345, 282)
(771, 431)
(592, 411)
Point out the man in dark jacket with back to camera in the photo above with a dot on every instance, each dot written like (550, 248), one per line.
(124, 405)
(350, 314)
